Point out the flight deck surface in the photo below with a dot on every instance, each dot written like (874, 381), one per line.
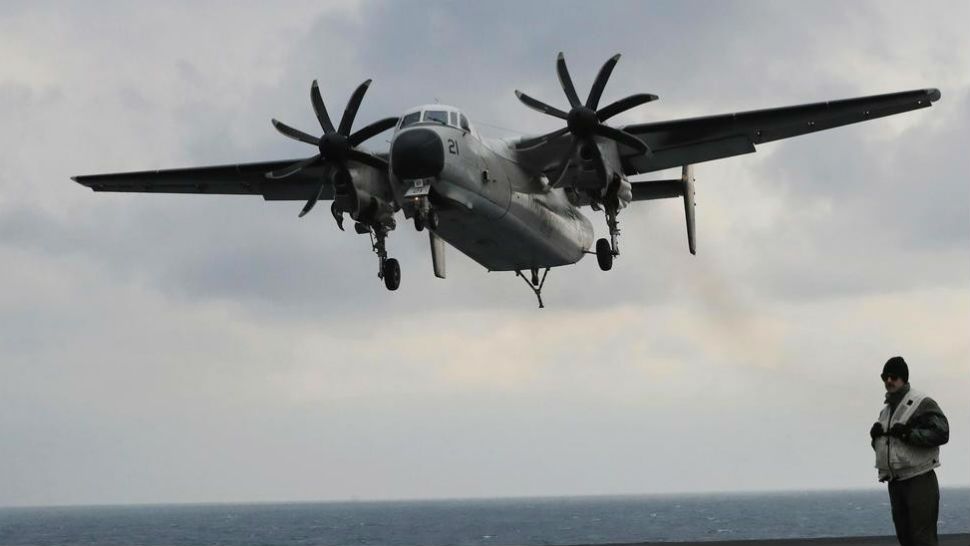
(945, 540)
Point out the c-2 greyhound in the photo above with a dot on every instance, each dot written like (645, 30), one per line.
(509, 204)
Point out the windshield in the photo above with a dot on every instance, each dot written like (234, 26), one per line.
(413, 117)
(439, 116)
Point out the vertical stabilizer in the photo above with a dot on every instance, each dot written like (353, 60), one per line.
(437, 255)
(687, 179)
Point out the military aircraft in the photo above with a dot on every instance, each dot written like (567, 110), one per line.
(510, 204)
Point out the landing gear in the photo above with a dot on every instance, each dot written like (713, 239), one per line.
(388, 268)
(391, 271)
(425, 216)
(607, 250)
(604, 254)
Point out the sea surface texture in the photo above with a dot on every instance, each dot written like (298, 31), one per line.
(573, 520)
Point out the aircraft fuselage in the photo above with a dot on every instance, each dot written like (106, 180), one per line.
(488, 205)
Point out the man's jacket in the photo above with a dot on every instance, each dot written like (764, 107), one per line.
(916, 449)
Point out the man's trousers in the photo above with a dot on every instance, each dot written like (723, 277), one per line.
(916, 506)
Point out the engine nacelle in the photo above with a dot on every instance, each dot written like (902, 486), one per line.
(361, 197)
(618, 193)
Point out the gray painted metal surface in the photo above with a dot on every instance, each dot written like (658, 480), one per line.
(513, 204)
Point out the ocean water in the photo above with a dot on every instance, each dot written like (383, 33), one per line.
(572, 520)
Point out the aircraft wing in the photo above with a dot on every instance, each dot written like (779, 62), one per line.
(241, 179)
(687, 141)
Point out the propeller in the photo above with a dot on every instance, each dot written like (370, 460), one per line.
(336, 145)
(586, 120)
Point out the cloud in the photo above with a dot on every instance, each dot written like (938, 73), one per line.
(200, 337)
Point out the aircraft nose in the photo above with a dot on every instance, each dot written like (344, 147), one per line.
(417, 153)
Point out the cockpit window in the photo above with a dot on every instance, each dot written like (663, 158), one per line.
(439, 116)
(464, 122)
(413, 117)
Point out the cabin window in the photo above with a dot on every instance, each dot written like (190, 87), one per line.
(439, 116)
(409, 119)
(463, 122)
(453, 119)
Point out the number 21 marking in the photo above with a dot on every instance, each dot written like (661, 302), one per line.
(453, 147)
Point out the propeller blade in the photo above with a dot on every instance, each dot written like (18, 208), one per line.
(564, 164)
(312, 201)
(623, 105)
(622, 137)
(598, 163)
(541, 139)
(367, 159)
(320, 110)
(371, 130)
(600, 83)
(293, 168)
(540, 106)
(338, 215)
(351, 111)
(295, 134)
(566, 81)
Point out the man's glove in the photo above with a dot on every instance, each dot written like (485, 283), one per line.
(900, 431)
(876, 430)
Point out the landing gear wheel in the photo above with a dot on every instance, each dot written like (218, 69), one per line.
(392, 274)
(604, 254)
(432, 220)
(419, 223)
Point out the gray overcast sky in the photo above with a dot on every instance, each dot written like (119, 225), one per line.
(191, 348)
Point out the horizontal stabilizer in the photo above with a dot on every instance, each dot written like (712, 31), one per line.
(657, 189)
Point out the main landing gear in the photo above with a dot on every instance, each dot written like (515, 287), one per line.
(391, 272)
(607, 250)
(388, 268)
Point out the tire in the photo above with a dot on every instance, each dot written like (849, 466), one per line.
(392, 274)
(419, 222)
(604, 254)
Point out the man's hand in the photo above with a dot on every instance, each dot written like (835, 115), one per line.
(876, 430)
(900, 431)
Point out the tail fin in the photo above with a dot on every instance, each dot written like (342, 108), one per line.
(437, 254)
(669, 188)
(687, 179)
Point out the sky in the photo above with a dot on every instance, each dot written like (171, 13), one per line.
(181, 348)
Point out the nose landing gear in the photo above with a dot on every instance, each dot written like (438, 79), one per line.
(425, 215)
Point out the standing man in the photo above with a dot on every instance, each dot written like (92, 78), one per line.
(907, 439)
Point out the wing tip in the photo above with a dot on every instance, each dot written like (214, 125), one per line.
(933, 94)
(85, 180)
